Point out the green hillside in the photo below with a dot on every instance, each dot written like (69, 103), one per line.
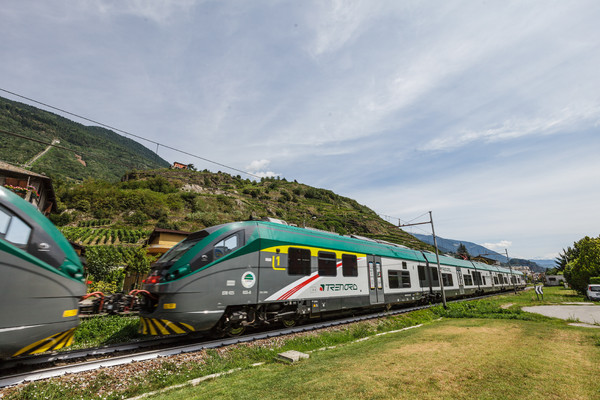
(97, 152)
(97, 212)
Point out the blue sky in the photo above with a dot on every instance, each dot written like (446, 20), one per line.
(485, 113)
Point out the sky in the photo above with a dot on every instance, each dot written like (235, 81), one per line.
(486, 113)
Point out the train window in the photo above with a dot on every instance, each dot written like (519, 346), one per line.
(398, 279)
(298, 261)
(434, 276)
(483, 280)
(496, 280)
(226, 246)
(423, 282)
(447, 280)
(349, 265)
(404, 265)
(179, 250)
(18, 232)
(468, 280)
(4, 220)
(477, 277)
(327, 264)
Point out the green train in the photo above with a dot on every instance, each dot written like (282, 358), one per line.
(42, 281)
(248, 274)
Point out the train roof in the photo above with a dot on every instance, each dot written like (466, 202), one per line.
(275, 233)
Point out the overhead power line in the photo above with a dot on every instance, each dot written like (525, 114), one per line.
(130, 134)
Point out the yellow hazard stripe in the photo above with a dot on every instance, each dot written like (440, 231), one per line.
(52, 341)
(65, 341)
(170, 325)
(154, 326)
(191, 328)
(160, 326)
(151, 327)
(143, 326)
(55, 342)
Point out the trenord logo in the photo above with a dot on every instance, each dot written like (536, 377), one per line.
(338, 287)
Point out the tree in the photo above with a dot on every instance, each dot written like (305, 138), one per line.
(462, 252)
(563, 258)
(101, 261)
(138, 261)
(585, 264)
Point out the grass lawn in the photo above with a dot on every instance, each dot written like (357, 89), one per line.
(449, 359)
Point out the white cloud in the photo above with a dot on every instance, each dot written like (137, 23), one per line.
(501, 245)
(562, 121)
(258, 167)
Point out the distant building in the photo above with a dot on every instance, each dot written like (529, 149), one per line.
(34, 188)
(554, 280)
(161, 240)
(523, 268)
(177, 165)
(485, 260)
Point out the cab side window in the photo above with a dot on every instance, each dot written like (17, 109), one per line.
(227, 245)
(13, 229)
(4, 220)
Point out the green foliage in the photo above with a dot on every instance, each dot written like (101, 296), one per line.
(106, 154)
(103, 286)
(138, 261)
(595, 280)
(105, 330)
(154, 198)
(102, 261)
(585, 264)
(60, 219)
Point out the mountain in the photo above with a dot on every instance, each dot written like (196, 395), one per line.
(451, 246)
(548, 264)
(192, 200)
(93, 152)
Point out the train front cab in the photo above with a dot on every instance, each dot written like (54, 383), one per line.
(42, 281)
(190, 287)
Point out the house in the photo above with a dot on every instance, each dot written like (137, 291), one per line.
(178, 165)
(34, 188)
(161, 240)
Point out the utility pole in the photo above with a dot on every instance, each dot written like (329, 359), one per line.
(437, 255)
(512, 277)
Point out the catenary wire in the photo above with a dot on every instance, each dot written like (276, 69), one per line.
(131, 134)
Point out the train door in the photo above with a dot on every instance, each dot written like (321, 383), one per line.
(375, 279)
(461, 281)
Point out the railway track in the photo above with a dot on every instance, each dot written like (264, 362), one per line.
(71, 362)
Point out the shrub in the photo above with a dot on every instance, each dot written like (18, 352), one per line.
(60, 219)
(138, 218)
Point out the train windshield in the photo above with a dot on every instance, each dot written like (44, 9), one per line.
(180, 249)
